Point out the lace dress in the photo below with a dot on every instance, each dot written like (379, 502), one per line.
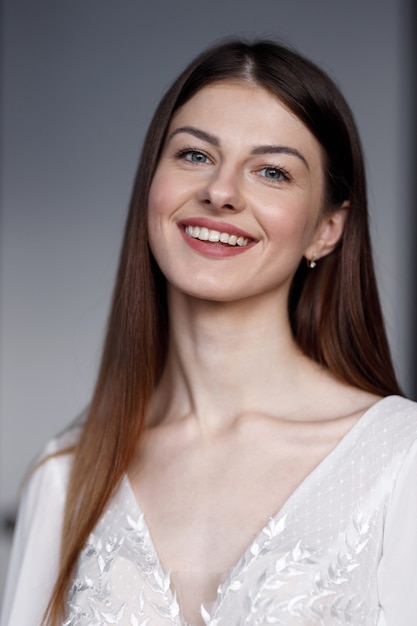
(342, 550)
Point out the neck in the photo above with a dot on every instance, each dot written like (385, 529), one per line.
(227, 359)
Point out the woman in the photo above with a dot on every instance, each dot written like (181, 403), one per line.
(246, 405)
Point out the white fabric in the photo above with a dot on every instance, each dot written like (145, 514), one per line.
(342, 550)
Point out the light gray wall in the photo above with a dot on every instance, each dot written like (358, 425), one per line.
(80, 81)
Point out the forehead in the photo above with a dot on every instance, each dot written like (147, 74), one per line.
(243, 108)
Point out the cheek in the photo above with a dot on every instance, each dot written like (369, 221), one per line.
(156, 198)
(161, 206)
(157, 206)
(293, 222)
(165, 196)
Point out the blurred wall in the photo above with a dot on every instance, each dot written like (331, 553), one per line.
(411, 123)
(80, 81)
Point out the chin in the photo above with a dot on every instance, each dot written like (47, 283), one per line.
(208, 293)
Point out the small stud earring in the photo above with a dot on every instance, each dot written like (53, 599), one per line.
(312, 262)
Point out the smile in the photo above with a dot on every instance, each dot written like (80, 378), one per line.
(214, 236)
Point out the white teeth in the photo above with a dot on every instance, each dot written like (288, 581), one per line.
(204, 234)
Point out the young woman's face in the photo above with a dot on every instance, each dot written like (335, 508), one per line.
(236, 199)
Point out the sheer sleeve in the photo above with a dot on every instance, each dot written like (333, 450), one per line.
(35, 551)
(397, 572)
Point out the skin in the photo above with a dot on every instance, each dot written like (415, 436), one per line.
(238, 403)
(229, 184)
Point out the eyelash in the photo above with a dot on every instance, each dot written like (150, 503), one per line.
(181, 154)
(284, 173)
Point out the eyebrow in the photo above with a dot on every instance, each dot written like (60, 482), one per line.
(271, 149)
(214, 141)
(196, 132)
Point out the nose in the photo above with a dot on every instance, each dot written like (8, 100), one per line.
(222, 191)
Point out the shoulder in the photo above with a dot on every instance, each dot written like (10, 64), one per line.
(394, 418)
(46, 483)
(35, 553)
(384, 442)
(396, 405)
(56, 457)
(397, 418)
(393, 431)
(64, 441)
(397, 572)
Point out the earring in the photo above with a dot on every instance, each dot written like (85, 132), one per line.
(312, 262)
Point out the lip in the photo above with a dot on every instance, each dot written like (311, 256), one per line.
(214, 250)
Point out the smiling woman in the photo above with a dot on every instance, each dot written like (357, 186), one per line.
(237, 162)
(247, 457)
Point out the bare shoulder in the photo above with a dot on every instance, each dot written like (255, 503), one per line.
(336, 399)
(353, 402)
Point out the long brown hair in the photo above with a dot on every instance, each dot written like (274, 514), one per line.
(334, 310)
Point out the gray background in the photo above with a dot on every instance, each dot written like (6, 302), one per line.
(80, 80)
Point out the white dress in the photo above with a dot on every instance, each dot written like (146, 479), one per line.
(342, 550)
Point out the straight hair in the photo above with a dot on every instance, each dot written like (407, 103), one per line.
(334, 311)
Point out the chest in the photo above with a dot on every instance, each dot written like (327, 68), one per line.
(206, 504)
(314, 561)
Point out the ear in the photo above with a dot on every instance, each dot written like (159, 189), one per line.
(328, 233)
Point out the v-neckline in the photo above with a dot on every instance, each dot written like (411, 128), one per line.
(275, 521)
